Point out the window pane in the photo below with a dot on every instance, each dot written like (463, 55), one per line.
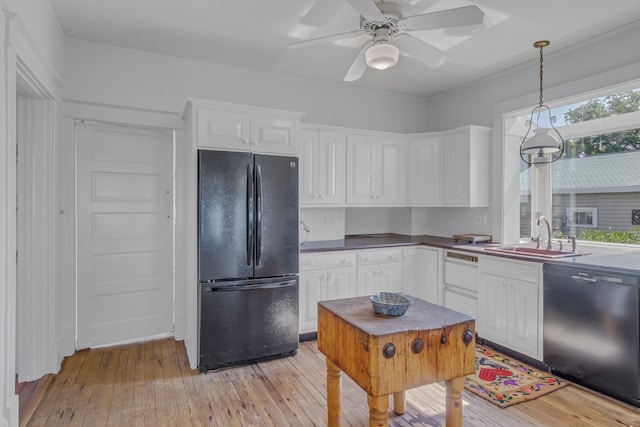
(596, 184)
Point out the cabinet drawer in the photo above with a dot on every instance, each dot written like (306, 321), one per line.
(461, 302)
(327, 260)
(464, 276)
(514, 269)
(378, 257)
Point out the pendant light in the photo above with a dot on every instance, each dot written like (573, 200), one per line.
(546, 144)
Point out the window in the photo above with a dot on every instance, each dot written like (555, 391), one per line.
(599, 168)
(582, 217)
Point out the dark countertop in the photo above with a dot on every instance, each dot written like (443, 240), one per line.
(371, 241)
(626, 259)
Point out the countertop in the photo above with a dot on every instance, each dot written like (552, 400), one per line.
(615, 258)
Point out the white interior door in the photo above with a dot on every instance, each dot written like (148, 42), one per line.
(125, 233)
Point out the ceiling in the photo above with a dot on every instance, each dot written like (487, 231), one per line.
(253, 34)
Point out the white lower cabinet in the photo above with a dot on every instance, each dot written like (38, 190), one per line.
(324, 276)
(420, 272)
(510, 304)
(379, 270)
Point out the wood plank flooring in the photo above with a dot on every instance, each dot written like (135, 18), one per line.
(150, 384)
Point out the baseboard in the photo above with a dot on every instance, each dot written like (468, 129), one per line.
(309, 336)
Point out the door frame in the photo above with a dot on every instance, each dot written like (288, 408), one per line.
(35, 277)
(77, 111)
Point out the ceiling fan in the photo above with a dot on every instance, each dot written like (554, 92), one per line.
(385, 32)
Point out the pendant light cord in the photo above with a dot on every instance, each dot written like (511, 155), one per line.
(541, 47)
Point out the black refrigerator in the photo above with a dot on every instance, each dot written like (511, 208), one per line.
(247, 258)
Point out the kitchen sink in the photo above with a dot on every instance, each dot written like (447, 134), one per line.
(538, 252)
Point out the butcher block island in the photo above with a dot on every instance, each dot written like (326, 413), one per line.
(389, 355)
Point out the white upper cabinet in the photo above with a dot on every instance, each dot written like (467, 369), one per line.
(322, 156)
(376, 169)
(223, 129)
(466, 166)
(232, 127)
(424, 182)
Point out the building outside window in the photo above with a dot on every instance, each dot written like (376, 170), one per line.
(583, 217)
(595, 186)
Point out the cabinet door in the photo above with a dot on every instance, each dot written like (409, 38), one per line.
(492, 307)
(455, 164)
(522, 316)
(362, 158)
(391, 172)
(341, 283)
(420, 273)
(308, 165)
(223, 130)
(376, 170)
(367, 283)
(312, 289)
(424, 171)
(322, 161)
(273, 135)
(331, 168)
(390, 277)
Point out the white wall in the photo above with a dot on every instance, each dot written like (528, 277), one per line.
(134, 79)
(324, 223)
(566, 72)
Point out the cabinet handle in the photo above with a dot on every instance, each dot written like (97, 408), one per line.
(319, 196)
(345, 260)
(245, 140)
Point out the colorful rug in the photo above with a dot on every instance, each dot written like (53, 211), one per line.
(505, 382)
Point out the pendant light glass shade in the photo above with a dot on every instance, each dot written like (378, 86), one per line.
(543, 141)
(382, 55)
(546, 143)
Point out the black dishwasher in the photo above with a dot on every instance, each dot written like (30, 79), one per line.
(592, 328)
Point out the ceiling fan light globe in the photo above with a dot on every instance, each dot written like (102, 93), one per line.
(382, 56)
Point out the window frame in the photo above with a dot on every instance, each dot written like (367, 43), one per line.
(508, 122)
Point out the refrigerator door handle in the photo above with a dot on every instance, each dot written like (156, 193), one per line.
(247, 287)
(250, 219)
(258, 214)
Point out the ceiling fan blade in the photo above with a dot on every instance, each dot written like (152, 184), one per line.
(461, 16)
(368, 9)
(323, 39)
(320, 13)
(358, 67)
(429, 55)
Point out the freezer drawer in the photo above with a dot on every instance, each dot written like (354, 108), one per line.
(246, 321)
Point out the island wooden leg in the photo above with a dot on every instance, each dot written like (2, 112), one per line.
(334, 394)
(400, 402)
(378, 407)
(454, 401)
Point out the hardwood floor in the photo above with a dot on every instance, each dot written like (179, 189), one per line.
(150, 384)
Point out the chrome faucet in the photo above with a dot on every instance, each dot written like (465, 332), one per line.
(542, 218)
